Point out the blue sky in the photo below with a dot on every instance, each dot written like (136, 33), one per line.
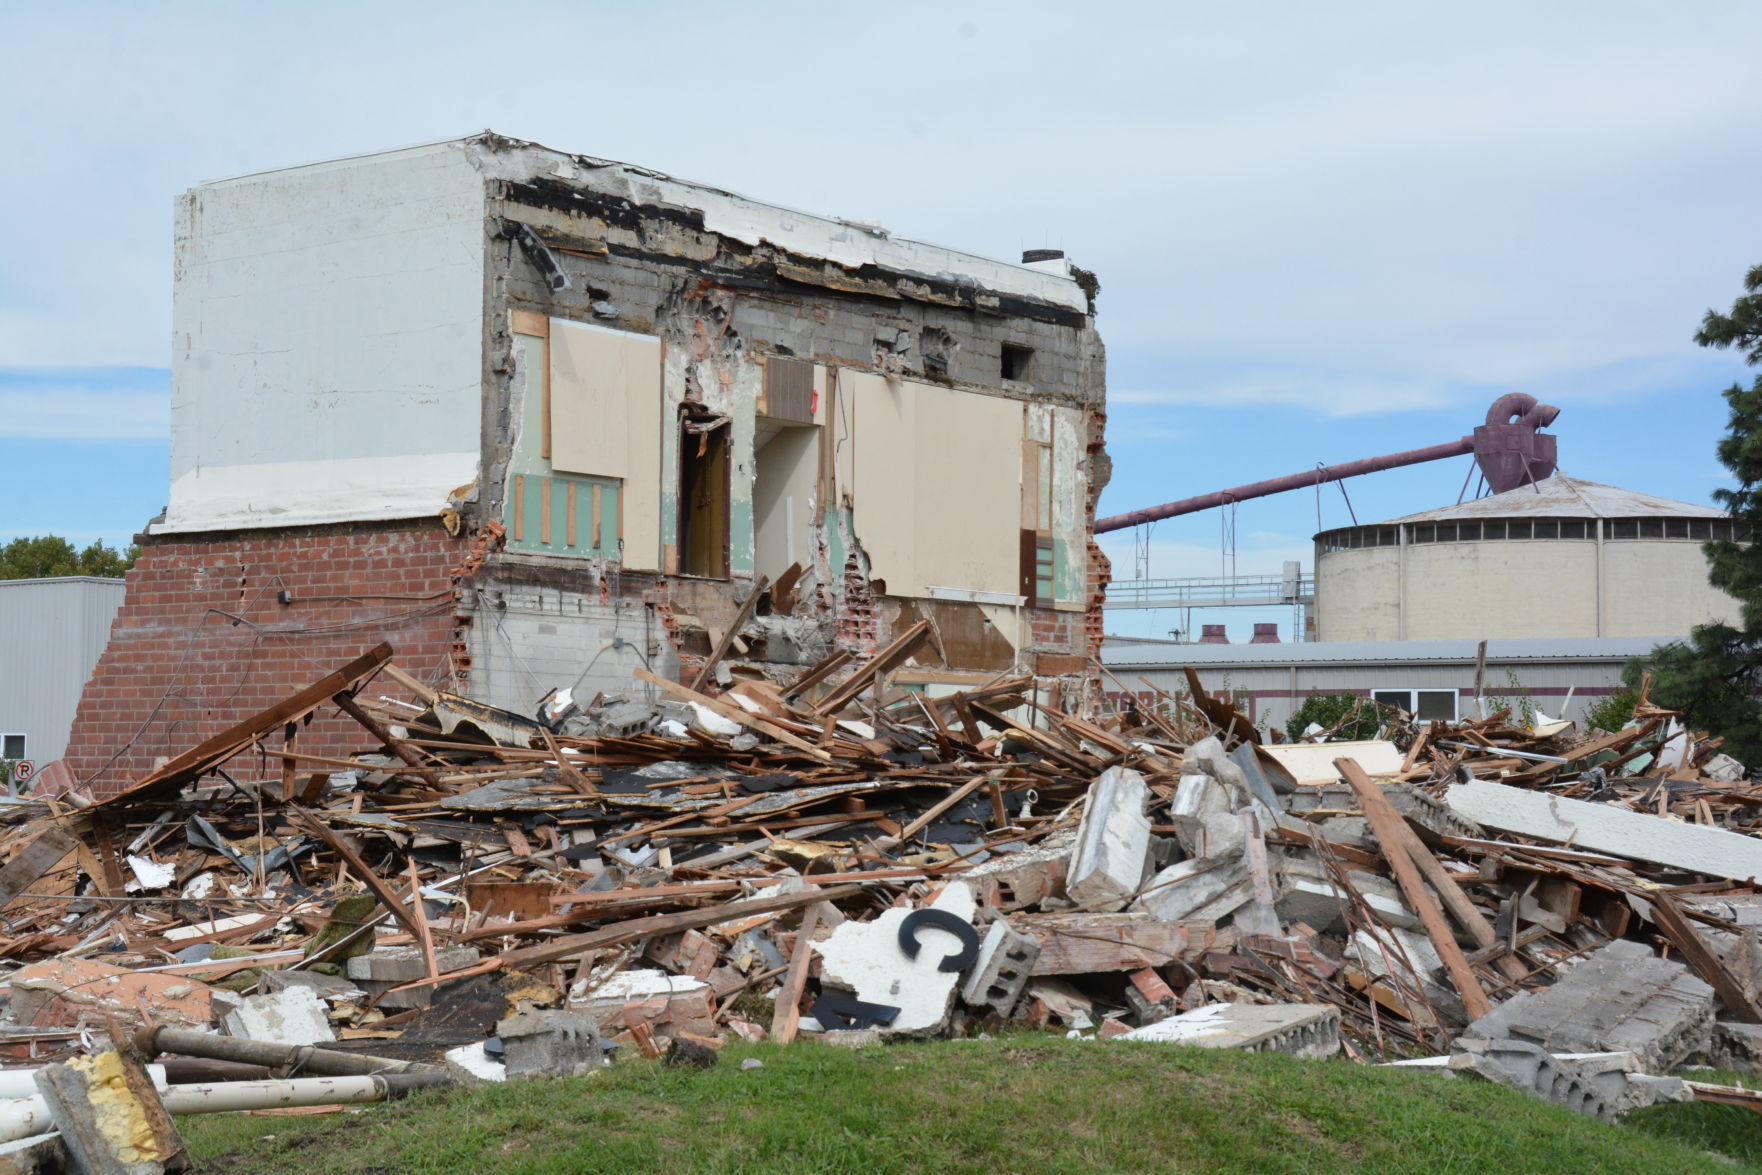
(1324, 232)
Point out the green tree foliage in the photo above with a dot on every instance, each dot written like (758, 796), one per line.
(1714, 677)
(47, 556)
(1367, 717)
(1613, 712)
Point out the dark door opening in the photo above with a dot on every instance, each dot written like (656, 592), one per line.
(704, 490)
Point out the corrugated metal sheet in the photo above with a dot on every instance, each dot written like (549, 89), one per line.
(53, 632)
(1566, 497)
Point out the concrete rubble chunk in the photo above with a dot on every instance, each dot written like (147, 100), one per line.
(1620, 997)
(294, 1015)
(1736, 1046)
(1605, 828)
(1113, 842)
(402, 964)
(1000, 975)
(1430, 817)
(865, 959)
(1308, 894)
(550, 1044)
(1409, 957)
(325, 987)
(1302, 1030)
(1598, 1085)
(40, 1154)
(1196, 890)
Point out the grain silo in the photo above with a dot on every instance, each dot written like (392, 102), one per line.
(1557, 557)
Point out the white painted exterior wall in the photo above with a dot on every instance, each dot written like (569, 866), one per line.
(53, 631)
(327, 342)
(1533, 588)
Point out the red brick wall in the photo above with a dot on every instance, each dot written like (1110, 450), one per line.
(201, 640)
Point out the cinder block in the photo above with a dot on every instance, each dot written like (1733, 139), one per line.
(1000, 973)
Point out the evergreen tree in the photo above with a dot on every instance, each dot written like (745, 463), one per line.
(1715, 678)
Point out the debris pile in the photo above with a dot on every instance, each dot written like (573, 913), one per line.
(485, 895)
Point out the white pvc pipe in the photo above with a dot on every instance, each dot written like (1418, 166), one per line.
(223, 1096)
(25, 1116)
(22, 1083)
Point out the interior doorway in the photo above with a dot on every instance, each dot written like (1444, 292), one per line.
(705, 483)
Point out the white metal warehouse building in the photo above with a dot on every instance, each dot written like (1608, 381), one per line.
(1430, 678)
(53, 631)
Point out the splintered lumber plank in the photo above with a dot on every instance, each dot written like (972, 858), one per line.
(954, 797)
(1220, 713)
(1467, 914)
(1706, 964)
(199, 759)
(34, 860)
(346, 701)
(1387, 825)
(786, 1012)
(819, 673)
(881, 664)
(734, 714)
(388, 897)
(733, 634)
(426, 692)
(635, 928)
(424, 940)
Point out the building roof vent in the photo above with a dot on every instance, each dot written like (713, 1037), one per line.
(1265, 634)
(1212, 634)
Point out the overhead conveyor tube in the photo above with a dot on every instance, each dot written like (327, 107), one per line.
(1278, 485)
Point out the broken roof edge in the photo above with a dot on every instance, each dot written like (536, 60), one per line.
(843, 241)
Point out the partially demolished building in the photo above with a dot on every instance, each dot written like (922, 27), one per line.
(539, 419)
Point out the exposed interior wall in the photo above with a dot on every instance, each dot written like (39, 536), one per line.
(327, 327)
(536, 627)
(786, 462)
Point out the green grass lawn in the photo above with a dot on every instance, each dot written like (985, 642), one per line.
(1022, 1104)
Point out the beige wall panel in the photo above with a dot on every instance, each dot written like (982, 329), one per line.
(1659, 589)
(1359, 598)
(606, 421)
(883, 478)
(1470, 591)
(590, 378)
(969, 490)
(936, 484)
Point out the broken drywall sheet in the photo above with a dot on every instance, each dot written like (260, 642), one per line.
(865, 958)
